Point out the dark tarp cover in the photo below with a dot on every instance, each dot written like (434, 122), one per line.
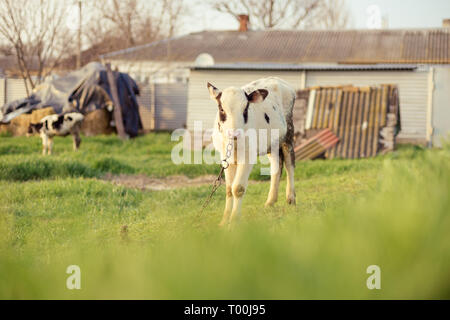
(83, 90)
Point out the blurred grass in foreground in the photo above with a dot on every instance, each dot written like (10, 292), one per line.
(389, 211)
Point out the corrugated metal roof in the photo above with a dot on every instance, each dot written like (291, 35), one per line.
(316, 145)
(413, 89)
(299, 67)
(355, 115)
(410, 46)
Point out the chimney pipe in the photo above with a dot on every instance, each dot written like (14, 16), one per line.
(244, 20)
(446, 23)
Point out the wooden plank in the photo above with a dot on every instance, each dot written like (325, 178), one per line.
(323, 93)
(370, 123)
(348, 113)
(365, 125)
(328, 107)
(310, 111)
(319, 99)
(384, 104)
(307, 154)
(316, 145)
(335, 121)
(322, 108)
(115, 98)
(331, 115)
(329, 120)
(372, 116)
(376, 126)
(354, 114)
(361, 105)
(341, 122)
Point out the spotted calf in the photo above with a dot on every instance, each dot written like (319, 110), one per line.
(263, 104)
(58, 125)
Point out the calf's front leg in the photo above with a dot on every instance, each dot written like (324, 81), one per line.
(44, 138)
(238, 189)
(229, 177)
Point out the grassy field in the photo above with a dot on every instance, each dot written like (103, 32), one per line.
(391, 211)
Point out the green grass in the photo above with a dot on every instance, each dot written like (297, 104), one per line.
(150, 155)
(391, 211)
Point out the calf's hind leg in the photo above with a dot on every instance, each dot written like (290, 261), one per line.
(289, 162)
(76, 140)
(50, 145)
(276, 166)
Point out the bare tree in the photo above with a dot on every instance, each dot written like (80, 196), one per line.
(175, 11)
(6, 50)
(124, 15)
(37, 33)
(271, 14)
(138, 21)
(112, 25)
(333, 14)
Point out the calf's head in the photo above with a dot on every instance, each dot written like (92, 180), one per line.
(34, 128)
(233, 104)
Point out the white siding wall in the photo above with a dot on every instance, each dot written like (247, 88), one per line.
(441, 105)
(200, 105)
(413, 89)
(15, 90)
(2, 92)
(153, 71)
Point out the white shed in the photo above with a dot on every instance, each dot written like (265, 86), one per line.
(414, 88)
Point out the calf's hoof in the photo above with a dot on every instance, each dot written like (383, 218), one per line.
(291, 200)
(269, 203)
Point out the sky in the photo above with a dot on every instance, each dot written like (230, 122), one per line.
(403, 13)
(398, 13)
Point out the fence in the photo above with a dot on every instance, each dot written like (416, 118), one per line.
(161, 106)
(11, 89)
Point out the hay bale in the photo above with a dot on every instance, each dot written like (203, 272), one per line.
(38, 114)
(19, 125)
(4, 129)
(97, 122)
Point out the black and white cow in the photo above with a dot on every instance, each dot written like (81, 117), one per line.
(58, 125)
(264, 106)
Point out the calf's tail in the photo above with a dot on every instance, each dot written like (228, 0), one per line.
(281, 156)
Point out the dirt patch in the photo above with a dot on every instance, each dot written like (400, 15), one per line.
(144, 182)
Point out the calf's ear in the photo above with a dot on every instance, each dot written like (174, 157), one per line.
(257, 96)
(213, 91)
